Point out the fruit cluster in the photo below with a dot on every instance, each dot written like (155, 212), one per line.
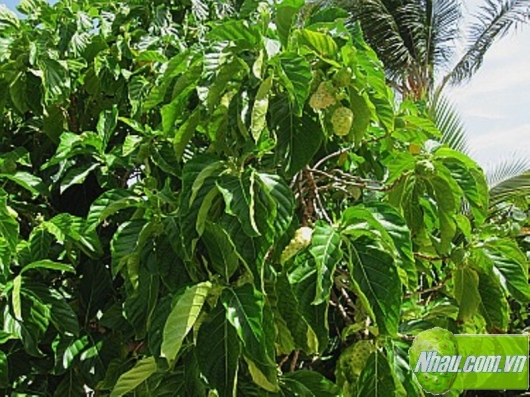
(323, 97)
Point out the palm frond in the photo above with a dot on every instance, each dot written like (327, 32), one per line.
(508, 180)
(380, 22)
(493, 21)
(446, 117)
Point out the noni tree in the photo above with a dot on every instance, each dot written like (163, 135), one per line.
(226, 199)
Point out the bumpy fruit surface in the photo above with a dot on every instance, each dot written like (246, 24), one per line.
(443, 343)
(342, 120)
(353, 359)
(300, 240)
(323, 97)
(458, 255)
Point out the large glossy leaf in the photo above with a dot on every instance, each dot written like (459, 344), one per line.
(223, 256)
(245, 311)
(289, 307)
(259, 111)
(108, 204)
(299, 138)
(493, 304)
(28, 181)
(466, 284)
(376, 379)
(310, 384)
(4, 370)
(48, 264)
(396, 227)
(375, 272)
(238, 194)
(303, 280)
(321, 43)
(325, 248)
(295, 73)
(511, 266)
(8, 224)
(182, 317)
(131, 379)
(218, 356)
(285, 13)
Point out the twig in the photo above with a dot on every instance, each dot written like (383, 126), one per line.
(330, 156)
(294, 361)
(341, 308)
(430, 258)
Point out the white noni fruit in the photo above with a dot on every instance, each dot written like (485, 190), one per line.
(300, 240)
(323, 97)
(342, 120)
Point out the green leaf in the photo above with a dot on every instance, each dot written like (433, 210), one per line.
(40, 242)
(218, 356)
(493, 304)
(299, 138)
(8, 225)
(106, 125)
(282, 198)
(108, 204)
(466, 292)
(310, 384)
(295, 73)
(124, 242)
(182, 317)
(511, 266)
(396, 227)
(8, 17)
(48, 264)
(239, 199)
(185, 133)
(289, 308)
(325, 248)
(303, 280)
(376, 273)
(237, 31)
(223, 255)
(363, 110)
(285, 13)
(15, 298)
(376, 378)
(4, 367)
(55, 79)
(77, 175)
(28, 181)
(131, 379)
(259, 111)
(321, 43)
(245, 311)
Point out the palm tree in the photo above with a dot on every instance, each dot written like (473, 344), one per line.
(417, 40)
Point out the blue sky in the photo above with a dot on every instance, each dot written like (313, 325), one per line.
(495, 105)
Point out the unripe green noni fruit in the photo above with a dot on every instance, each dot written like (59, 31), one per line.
(300, 240)
(323, 97)
(342, 120)
(443, 343)
(343, 77)
(458, 255)
(353, 359)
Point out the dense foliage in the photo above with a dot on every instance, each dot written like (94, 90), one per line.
(213, 196)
